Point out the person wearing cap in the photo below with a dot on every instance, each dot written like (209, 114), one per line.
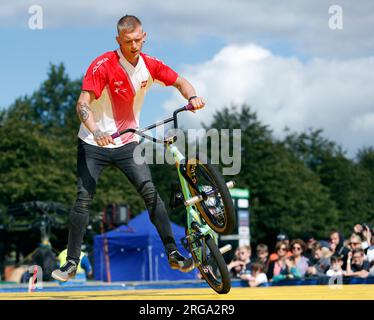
(283, 237)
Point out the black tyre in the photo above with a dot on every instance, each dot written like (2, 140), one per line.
(211, 265)
(218, 209)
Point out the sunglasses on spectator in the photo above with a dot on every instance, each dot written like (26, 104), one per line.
(282, 249)
(296, 248)
(354, 243)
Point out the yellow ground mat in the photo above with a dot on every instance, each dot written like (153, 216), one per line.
(320, 292)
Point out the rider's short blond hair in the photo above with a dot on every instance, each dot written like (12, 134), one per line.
(128, 23)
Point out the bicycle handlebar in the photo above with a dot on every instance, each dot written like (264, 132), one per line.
(141, 133)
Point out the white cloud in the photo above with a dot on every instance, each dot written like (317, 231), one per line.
(334, 95)
(300, 26)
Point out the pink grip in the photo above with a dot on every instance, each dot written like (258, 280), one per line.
(115, 135)
(189, 107)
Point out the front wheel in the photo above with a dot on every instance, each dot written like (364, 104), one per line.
(218, 209)
(211, 264)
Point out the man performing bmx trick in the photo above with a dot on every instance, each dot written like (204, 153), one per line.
(112, 95)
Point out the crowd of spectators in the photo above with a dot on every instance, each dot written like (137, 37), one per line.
(307, 258)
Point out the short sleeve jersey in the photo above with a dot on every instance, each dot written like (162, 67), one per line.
(119, 90)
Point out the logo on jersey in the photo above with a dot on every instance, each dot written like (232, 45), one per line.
(98, 64)
(118, 87)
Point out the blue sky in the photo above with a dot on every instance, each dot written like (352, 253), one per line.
(282, 58)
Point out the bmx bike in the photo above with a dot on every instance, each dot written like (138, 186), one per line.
(208, 205)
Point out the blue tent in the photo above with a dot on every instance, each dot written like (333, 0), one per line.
(136, 253)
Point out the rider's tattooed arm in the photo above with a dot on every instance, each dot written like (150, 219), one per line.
(83, 111)
(86, 116)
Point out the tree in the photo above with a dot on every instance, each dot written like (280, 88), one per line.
(34, 165)
(351, 187)
(312, 148)
(365, 159)
(53, 104)
(349, 184)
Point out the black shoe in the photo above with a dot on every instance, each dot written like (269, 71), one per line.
(67, 271)
(177, 261)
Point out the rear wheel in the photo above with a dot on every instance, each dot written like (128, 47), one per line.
(218, 209)
(211, 264)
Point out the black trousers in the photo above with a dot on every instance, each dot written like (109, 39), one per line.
(91, 161)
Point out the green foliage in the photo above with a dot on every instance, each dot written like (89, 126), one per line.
(365, 158)
(350, 184)
(53, 105)
(312, 148)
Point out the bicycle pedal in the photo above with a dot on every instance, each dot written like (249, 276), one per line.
(193, 200)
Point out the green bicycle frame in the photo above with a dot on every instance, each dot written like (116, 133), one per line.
(192, 214)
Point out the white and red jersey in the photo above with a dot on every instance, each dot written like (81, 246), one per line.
(119, 90)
